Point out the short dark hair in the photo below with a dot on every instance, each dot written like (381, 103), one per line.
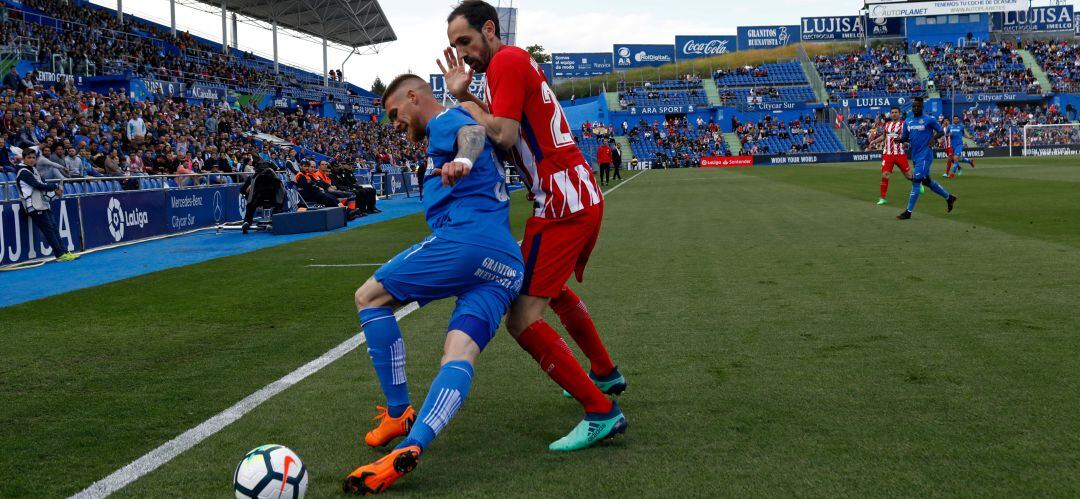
(918, 99)
(477, 13)
(29, 152)
(897, 108)
(400, 80)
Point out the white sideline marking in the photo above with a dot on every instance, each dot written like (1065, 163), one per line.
(170, 450)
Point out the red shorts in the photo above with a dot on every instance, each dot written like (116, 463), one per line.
(889, 161)
(949, 151)
(555, 248)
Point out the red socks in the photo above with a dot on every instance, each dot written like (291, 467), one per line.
(575, 317)
(554, 357)
(884, 187)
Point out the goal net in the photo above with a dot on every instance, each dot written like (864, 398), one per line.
(1052, 140)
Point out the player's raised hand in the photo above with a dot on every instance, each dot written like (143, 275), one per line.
(457, 75)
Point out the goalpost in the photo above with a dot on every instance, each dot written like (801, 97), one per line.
(1051, 140)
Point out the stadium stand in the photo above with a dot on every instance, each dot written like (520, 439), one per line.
(676, 142)
(774, 136)
(786, 73)
(1061, 61)
(685, 92)
(872, 73)
(989, 126)
(982, 68)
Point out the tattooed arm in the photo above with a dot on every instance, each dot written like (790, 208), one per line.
(470, 144)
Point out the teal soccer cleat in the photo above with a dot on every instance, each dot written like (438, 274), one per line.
(594, 428)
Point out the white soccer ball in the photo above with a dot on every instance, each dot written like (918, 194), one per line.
(270, 471)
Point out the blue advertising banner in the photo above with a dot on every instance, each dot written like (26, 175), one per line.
(21, 241)
(778, 106)
(662, 109)
(767, 37)
(1036, 19)
(119, 217)
(579, 65)
(206, 92)
(202, 207)
(629, 56)
(885, 27)
(438, 86)
(163, 88)
(694, 47)
(1005, 97)
(832, 28)
(548, 69)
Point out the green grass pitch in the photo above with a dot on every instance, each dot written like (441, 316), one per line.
(782, 335)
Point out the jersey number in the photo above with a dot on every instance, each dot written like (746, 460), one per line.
(561, 138)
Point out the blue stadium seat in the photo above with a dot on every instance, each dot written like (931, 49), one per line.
(114, 186)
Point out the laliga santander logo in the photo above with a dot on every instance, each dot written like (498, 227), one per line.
(115, 215)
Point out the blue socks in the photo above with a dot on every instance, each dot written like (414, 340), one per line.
(938, 189)
(387, 351)
(915, 191)
(444, 398)
(934, 186)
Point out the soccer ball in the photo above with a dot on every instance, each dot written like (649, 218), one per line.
(270, 471)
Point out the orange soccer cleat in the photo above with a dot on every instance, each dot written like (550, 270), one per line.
(390, 428)
(376, 477)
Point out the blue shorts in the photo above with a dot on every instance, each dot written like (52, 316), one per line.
(958, 151)
(485, 282)
(922, 168)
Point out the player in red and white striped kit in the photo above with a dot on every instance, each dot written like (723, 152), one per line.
(523, 117)
(892, 154)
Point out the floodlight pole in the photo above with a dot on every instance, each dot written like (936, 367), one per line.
(235, 34)
(224, 31)
(276, 71)
(172, 16)
(325, 65)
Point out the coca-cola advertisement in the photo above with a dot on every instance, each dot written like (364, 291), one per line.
(726, 161)
(695, 47)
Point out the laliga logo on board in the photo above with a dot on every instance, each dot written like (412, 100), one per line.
(115, 216)
(712, 47)
(119, 219)
(219, 212)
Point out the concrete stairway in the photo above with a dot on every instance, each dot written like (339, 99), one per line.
(711, 91)
(624, 148)
(733, 144)
(1037, 70)
(924, 74)
(613, 101)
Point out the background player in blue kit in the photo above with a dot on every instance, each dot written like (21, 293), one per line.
(922, 132)
(956, 148)
(471, 254)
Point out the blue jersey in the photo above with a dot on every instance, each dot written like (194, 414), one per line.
(956, 136)
(476, 209)
(920, 130)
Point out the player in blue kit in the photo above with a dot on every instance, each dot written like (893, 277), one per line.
(956, 133)
(922, 132)
(471, 254)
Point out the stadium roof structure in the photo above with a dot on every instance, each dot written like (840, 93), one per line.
(352, 23)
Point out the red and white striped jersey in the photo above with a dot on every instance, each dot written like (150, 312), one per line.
(893, 130)
(560, 181)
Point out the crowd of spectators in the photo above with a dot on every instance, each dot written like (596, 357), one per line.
(1061, 61)
(775, 136)
(988, 126)
(677, 142)
(685, 91)
(89, 134)
(975, 68)
(882, 72)
(84, 40)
